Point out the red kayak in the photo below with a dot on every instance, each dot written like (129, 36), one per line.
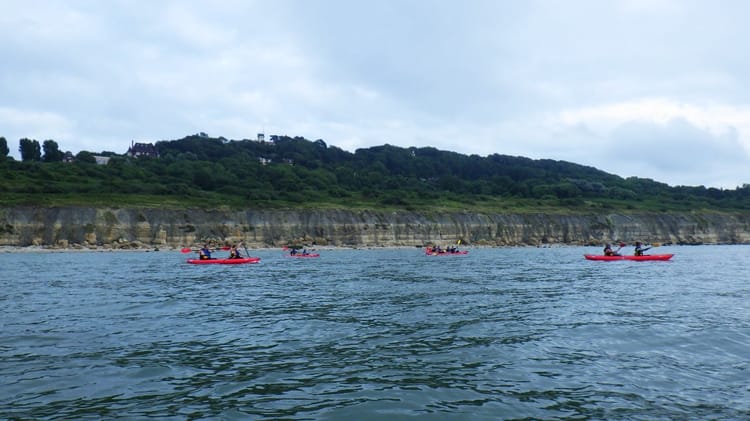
(300, 255)
(429, 252)
(224, 261)
(636, 258)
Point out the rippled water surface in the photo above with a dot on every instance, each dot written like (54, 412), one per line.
(376, 334)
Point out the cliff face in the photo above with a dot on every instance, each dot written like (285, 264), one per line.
(127, 228)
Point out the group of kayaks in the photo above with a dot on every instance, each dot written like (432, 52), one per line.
(245, 260)
(640, 258)
(429, 252)
(302, 255)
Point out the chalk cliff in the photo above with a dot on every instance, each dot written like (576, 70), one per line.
(136, 228)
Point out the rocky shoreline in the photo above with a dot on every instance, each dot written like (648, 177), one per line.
(103, 229)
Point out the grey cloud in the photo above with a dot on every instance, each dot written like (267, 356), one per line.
(677, 151)
(474, 77)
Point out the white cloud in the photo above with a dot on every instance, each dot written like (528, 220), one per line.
(530, 78)
(719, 120)
(47, 125)
(669, 141)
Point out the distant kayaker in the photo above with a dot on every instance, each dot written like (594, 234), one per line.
(234, 253)
(204, 253)
(639, 248)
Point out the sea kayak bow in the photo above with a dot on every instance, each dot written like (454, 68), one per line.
(636, 258)
(224, 261)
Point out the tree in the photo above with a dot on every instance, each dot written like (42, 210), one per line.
(85, 157)
(30, 150)
(52, 152)
(3, 148)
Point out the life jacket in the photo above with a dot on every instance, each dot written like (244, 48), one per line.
(204, 254)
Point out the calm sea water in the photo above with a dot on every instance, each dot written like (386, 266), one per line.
(517, 333)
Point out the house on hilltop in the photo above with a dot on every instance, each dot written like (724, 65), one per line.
(101, 160)
(142, 149)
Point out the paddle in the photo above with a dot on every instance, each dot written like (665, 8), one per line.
(639, 252)
(651, 246)
(247, 253)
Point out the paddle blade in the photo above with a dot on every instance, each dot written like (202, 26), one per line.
(225, 248)
(186, 250)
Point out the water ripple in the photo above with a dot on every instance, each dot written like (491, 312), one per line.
(374, 334)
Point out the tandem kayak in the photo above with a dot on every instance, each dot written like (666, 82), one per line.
(224, 261)
(445, 253)
(300, 255)
(636, 258)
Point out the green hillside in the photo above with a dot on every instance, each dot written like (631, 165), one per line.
(205, 172)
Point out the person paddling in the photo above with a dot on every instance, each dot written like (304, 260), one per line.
(204, 253)
(609, 252)
(639, 248)
(234, 253)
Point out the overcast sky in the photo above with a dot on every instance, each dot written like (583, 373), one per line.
(648, 88)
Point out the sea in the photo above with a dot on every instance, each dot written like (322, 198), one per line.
(376, 334)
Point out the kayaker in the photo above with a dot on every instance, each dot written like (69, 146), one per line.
(234, 253)
(609, 252)
(204, 253)
(639, 248)
(293, 252)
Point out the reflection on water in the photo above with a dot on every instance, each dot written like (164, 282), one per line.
(373, 334)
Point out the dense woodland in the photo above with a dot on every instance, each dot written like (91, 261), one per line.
(201, 171)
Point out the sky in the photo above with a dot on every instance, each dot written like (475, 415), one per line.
(648, 88)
